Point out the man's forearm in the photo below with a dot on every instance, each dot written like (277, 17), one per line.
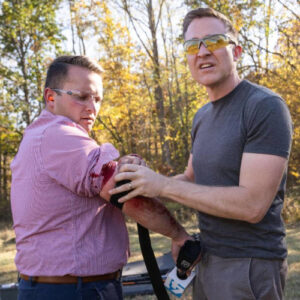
(152, 214)
(218, 201)
(181, 177)
(148, 212)
(260, 177)
(225, 202)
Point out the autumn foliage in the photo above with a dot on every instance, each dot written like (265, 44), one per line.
(150, 98)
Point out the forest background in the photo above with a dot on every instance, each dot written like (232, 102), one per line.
(150, 98)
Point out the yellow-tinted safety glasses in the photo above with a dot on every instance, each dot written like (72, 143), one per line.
(211, 43)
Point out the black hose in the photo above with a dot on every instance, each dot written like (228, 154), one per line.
(151, 264)
(146, 248)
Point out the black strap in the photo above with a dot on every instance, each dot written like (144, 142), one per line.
(114, 198)
(151, 264)
(147, 251)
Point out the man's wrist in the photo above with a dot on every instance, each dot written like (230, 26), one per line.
(165, 184)
(181, 238)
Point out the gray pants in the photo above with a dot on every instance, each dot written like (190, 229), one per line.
(239, 279)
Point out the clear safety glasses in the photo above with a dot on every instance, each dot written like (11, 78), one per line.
(79, 96)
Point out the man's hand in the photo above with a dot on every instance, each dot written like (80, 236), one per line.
(150, 213)
(144, 182)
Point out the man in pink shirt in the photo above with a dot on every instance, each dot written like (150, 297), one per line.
(71, 242)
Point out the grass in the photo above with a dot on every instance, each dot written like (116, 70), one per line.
(160, 245)
(7, 253)
(293, 282)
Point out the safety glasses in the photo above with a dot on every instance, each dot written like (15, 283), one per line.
(211, 43)
(79, 96)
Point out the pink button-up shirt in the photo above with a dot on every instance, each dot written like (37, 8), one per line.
(62, 226)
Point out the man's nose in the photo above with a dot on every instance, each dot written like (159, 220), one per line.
(203, 51)
(91, 104)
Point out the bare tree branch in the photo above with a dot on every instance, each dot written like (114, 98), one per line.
(294, 67)
(113, 130)
(290, 10)
(126, 9)
(159, 14)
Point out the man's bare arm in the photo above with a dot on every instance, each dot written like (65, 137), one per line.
(260, 176)
(150, 213)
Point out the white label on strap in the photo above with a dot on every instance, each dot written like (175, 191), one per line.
(177, 286)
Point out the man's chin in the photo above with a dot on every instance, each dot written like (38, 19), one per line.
(87, 128)
(208, 80)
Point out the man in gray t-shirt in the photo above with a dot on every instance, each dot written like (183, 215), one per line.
(249, 120)
(236, 172)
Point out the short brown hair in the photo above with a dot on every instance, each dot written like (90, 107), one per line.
(58, 69)
(208, 12)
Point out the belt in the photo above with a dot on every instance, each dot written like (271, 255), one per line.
(71, 279)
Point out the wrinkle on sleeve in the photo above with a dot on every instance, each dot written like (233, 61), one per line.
(74, 160)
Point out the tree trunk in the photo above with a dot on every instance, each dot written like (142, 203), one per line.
(158, 93)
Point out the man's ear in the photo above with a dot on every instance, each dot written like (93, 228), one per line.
(49, 98)
(237, 52)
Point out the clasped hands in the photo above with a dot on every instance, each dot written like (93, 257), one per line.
(143, 181)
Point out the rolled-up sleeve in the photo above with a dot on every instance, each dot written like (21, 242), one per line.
(74, 160)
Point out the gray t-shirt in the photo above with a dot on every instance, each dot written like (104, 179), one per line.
(252, 119)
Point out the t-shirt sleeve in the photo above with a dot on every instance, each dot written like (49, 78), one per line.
(269, 128)
(74, 160)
